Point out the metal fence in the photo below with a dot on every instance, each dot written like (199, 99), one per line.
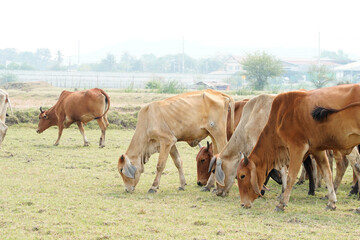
(70, 79)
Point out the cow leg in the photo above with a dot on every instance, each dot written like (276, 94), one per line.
(341, 166)
(296, 158)
(354, 159)
(324, 166)
(61, 128)
(210, 183)
(178, 163)
(283, 180)
(309, 170)
(163, 155)
(102, 126)
(302, 176)
(81, 128)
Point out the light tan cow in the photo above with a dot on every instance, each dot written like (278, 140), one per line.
(302, 123)
(4, 104)
(188, 117)
(254, 117)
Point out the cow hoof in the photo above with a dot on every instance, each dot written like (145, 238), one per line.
(280, 208)
(357, 210)
(330, 206)
(152, 190)
(205, 189)
(181, 189)
(311, 193)
(324, 198)
(86, 144)
(56, 144)
(101, 146)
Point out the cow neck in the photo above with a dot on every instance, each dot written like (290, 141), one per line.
(137, 148)
(232, 148)
(264, 154)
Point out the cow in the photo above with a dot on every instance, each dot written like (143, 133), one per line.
(254, 118)
(4, 104)
(206, 153)
(302, 123)
(188, 117)
(80, 107)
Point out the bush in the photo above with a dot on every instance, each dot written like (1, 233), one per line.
(171, 86)
(153, 84)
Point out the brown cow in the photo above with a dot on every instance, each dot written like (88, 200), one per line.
(302, 123)
(206, 153)
(188, 117)
(80, 107)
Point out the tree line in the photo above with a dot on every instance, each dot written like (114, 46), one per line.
(42, 59)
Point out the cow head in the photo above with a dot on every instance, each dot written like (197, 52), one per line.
(202, 162)
(128, 173)
(46, 120)
(248, 182)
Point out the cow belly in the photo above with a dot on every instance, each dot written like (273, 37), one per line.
(86, 118)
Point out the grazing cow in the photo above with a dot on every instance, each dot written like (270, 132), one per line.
(302, 123)
(206, 153)
(253, 119)
(4, 104)
(188, 117)
(80, 107)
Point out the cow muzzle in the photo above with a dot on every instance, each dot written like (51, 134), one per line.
(38, 131)
(130, 189)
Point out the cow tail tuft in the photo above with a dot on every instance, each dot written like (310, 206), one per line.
(320, 114)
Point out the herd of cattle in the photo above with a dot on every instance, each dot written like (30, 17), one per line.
(252, 140)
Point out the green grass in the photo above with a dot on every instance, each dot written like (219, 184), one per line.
(75, 192)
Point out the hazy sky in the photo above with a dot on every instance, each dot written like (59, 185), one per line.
(59, 25)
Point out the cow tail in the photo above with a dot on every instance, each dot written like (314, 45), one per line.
(107, 102)
(320, 114)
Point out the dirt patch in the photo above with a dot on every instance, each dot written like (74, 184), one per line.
(26, 86)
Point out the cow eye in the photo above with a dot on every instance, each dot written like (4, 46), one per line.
(242, 176)
(121, 170)
(202, 160)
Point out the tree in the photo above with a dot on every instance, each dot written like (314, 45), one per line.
(320, 75)
(339, 56)
(259, 67)
(108, 64)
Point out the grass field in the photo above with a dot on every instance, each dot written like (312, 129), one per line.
(75, 192)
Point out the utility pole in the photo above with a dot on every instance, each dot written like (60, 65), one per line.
(319, 51)
(78, 52)
(183, 56)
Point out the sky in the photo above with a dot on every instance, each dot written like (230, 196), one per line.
(261, 24)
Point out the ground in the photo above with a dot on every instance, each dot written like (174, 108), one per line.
(75, 192)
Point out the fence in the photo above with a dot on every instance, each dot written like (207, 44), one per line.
(109, 79)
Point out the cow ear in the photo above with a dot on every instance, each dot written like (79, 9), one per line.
(212, 161)
(129, 169)
(254, 181)
(219, 173)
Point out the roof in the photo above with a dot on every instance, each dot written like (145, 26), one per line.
(354, 66)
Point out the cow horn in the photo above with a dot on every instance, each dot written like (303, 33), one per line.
(200, 146)
(208, 146)
(41, 110)
(246, 160)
